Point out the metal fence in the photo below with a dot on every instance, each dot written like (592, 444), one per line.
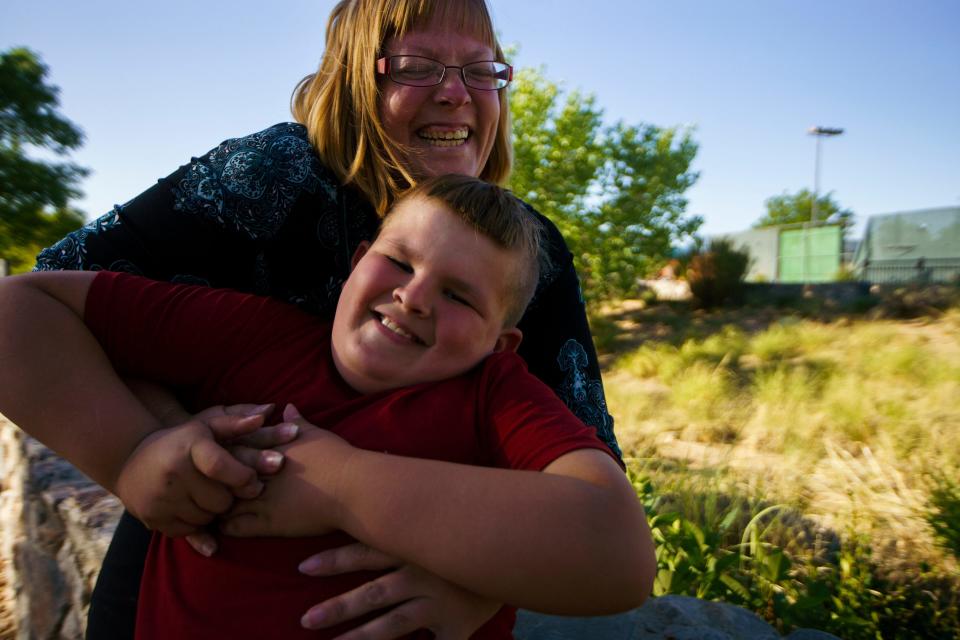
(921, 270)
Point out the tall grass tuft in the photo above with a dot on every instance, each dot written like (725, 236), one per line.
(943, 511)
(815, 470)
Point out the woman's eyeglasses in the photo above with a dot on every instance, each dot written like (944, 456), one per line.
(417, 71)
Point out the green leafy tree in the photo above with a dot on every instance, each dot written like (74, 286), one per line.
(798, 207)
(34, 194)
(615, 192)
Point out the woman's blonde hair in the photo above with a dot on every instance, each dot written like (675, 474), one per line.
(339, 103)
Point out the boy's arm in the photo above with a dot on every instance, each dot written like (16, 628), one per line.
(570, 540)
(58, 385)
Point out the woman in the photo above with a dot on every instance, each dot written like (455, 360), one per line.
(405, 90)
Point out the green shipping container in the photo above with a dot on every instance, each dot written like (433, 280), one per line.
(810, 255)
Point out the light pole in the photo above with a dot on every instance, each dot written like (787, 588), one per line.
(819, 132)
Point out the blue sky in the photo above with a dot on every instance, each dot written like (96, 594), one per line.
(152, 84)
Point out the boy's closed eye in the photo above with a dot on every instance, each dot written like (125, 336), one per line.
(453, 295)
(400, 264)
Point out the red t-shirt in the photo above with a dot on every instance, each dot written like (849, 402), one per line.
(222, 347)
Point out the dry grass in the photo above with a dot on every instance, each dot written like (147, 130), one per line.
(843, 418)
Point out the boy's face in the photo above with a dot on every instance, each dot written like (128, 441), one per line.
(426, 301)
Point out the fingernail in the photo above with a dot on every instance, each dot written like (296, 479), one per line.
(288, 431)
(255, 489)
(308, 566)
(312, 619)
(261, 408)
(291, 411)
(208, 548)
(272, 458)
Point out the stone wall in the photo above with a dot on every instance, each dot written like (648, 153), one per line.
(56, 525)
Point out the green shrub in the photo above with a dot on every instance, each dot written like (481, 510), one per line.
(944, 511)
(846, 273)
(716, 276)
(916, 301)
(842, 591)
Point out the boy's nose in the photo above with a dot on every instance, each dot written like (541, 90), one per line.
(413, 298)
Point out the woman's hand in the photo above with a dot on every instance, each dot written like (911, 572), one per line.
(302, 500)
(178, 479)
(417, 598)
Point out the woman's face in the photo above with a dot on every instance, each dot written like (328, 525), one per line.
(447, 128)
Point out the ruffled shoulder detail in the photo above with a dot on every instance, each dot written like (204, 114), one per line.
(70, 252)
(250, 184)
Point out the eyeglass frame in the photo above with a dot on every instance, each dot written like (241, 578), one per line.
(383, 68)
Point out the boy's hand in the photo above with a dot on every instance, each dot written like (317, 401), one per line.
(179, 479)
(413, 598)
(302, 500)
(252, 448)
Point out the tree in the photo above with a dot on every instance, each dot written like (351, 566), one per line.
(34, 194)
(615, 192)
(798, 207)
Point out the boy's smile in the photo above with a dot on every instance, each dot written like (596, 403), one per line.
(426, 301)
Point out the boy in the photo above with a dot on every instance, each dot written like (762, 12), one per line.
(429, 421)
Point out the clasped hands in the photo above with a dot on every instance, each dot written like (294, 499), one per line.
(223, 465)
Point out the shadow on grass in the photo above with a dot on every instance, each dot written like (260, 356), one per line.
(626, 326)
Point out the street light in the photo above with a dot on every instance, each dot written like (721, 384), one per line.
(820, 132)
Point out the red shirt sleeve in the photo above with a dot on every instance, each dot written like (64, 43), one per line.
(528, 425)
(180, 335)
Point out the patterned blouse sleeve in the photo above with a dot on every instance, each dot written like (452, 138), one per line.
(557, 344)
(206, 223)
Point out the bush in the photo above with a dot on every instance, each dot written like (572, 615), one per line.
(943, 513)
(716, 275)
(916, 301)
(726, 552)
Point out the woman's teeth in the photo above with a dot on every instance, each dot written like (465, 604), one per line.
(445, 138)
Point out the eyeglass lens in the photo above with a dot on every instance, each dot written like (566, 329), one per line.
(424, 72)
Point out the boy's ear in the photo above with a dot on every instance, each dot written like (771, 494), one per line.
(509, 340)
(359, 253)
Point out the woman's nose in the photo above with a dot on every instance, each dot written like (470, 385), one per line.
(452, 90)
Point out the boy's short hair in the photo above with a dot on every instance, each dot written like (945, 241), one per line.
(503, 218)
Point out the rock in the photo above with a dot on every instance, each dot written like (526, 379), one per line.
(538, 626)
(45, 602)
(686, 618)
(673, 617)
(811, 634)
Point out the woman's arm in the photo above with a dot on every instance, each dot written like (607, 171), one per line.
(47, 357)
(557, 345)
(571, 540)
